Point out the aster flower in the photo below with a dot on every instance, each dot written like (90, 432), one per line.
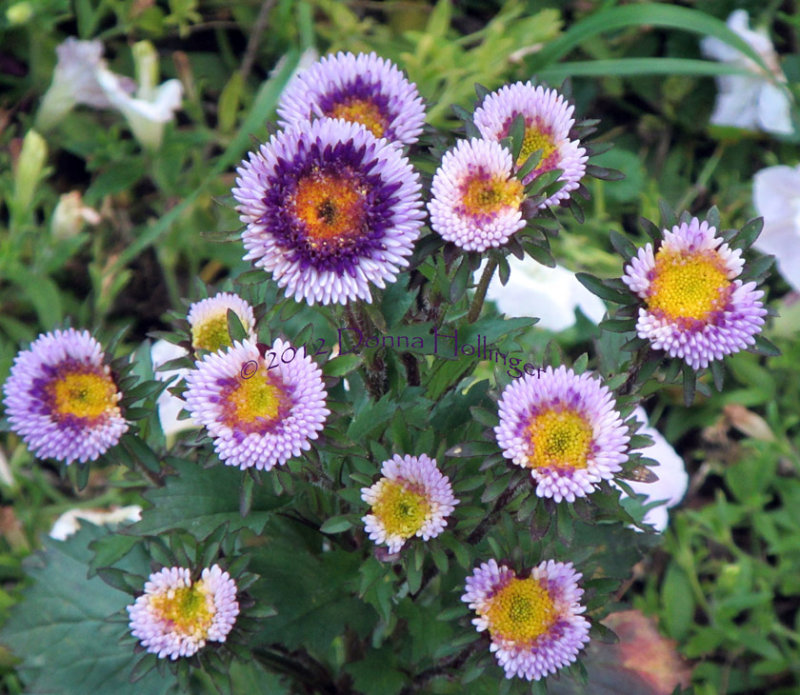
(754, 102)
(75, 82)
(360, 88)
(260, 411)
(329, 209)
(62, 400)
(208, 319)
(176, 616)
(672, 482)
(475, 197)
(776, 196)
(565, 429)
(695, 308)
(551, 294)
(535, 623)
(548, 121)
(413, 498)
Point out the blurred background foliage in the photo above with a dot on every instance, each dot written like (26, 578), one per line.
(723, 584)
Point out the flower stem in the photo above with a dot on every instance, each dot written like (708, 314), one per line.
(480, 291)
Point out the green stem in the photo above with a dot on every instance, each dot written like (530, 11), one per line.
(480, 291)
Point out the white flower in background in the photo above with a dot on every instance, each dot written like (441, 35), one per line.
(754, 102)
(70, 215)
(69, 522)
(6, 476)
(776, 196)
(152, 107)
(551, 294)
(75, 82)
(169, 406)
(672, 483)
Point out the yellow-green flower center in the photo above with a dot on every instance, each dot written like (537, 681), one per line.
(187, 609)
(483, 194)
(254, 401)
(212, 333)
(331, 207)
(688, 286)
(559, 439)
(536, 139)
(521, 611)
(83, 394)
(362, 111)
(402, 511)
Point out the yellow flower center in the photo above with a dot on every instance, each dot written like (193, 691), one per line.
(362, 111)
(84, 394)
(212, 333)
(254, 401)
(534, 140)
(559, 439)
(521, 611)
(401, 511)
(331, 207)
(486, 195)
(187, 609)
(688, 287)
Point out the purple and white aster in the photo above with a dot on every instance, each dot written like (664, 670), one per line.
(329, 209)
(564, 427)
(360, 88)
(694, 309)
(62, 400)
(413, 498)
(208, 319)
(175, 616)
(260, 411)
(475, 196)
(548, 121)
(535, 623)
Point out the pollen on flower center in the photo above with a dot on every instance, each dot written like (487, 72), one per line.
(559, 439)
(521, 611)
(331, 207)
(186, 609)
(536, 139)
(254, 401)
(687, 286)
(83, 394)
(483, 194)
(402, 511)
(212, 333)
(363, 111)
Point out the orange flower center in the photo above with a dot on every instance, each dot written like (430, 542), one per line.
(331, 208)
(254, 401)
(483, 194)
(84, 394)
(187, 609)
(361, 111)
(401, 511)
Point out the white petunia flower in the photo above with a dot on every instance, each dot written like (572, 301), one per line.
(672, 483)
(776, 196)
(69, 522)
(169, 406)
(551, 294)
(756, 102)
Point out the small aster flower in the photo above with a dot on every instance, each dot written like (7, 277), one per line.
(361, 88)
(535, 623)
(756, 101)
(413, 498)
(695, 309)
(329, 209)
(208, 319)
(175, 616)
(62, 400)
(565, 429)
(475, 196)
(260, 411)
(548, 120)
(776, 197)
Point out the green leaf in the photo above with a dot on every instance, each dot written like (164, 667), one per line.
(748, 234)
(678, 601)
(633, 67)
(336, 524)
(61, 631)
(236, 330)
(199, 499)
(622, 245)
(595, 286)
